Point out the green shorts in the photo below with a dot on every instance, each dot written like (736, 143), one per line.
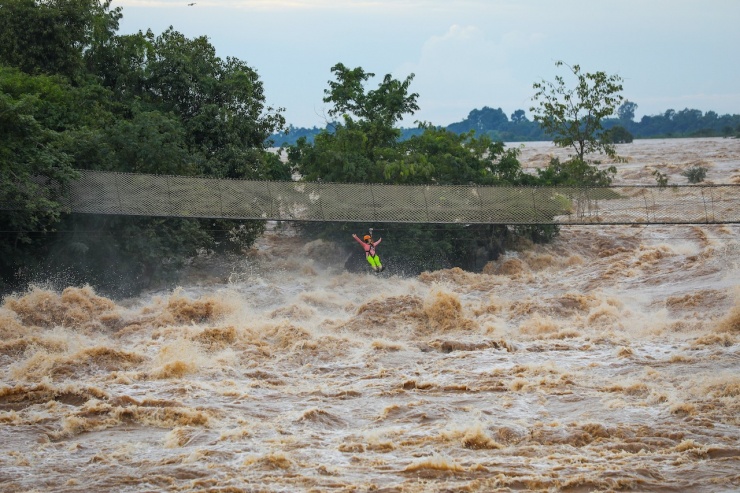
(374, 261)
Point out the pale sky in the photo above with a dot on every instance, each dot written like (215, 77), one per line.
(467, 54)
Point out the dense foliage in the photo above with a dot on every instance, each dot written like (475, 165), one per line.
(366, 147)
(76, 95)
(574, 116)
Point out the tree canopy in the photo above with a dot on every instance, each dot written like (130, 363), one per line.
(365, 147)
(77, 95)
(574, 115)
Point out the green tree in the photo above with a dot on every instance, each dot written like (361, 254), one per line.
(573, 116)
(376, 111)
(446, 158)
(34, 166)
(221, 105)
(626, 112)
(354, 150)
(150, 142)
(340, 156)
(365, 148)
(122, 65)
(485, 120)
(79, 96)
(618, 135)
(518, 116)
(54, 36)
(575, 173)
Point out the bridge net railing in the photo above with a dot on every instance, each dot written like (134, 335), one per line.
(97, 192)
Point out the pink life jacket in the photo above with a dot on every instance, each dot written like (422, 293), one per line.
(369, 247)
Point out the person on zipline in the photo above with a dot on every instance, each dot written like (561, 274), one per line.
(369, 246)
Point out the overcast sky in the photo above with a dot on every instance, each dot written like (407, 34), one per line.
(467, 54)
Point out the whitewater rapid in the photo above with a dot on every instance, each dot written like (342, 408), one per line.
(607, 360)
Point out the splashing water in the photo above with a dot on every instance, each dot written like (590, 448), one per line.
(607, 360)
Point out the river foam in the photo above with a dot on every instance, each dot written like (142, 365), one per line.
(607, 360)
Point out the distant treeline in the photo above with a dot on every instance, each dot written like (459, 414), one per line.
(494, 123)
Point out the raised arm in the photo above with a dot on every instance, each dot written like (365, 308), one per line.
(358, 240)
(379, 240)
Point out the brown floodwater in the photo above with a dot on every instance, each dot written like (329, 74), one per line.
(606, 361)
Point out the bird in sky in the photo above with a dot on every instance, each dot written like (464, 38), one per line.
(191, 4)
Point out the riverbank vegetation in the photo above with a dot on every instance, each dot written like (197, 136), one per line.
(75, 94)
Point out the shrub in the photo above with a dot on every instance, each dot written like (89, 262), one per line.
(661, 178)
(695, 174)
(619, 135)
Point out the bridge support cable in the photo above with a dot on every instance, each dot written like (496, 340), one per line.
(99, 192)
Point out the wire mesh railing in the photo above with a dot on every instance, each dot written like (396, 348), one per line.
(97, 192)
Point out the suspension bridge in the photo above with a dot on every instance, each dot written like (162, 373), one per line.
(97, 192)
